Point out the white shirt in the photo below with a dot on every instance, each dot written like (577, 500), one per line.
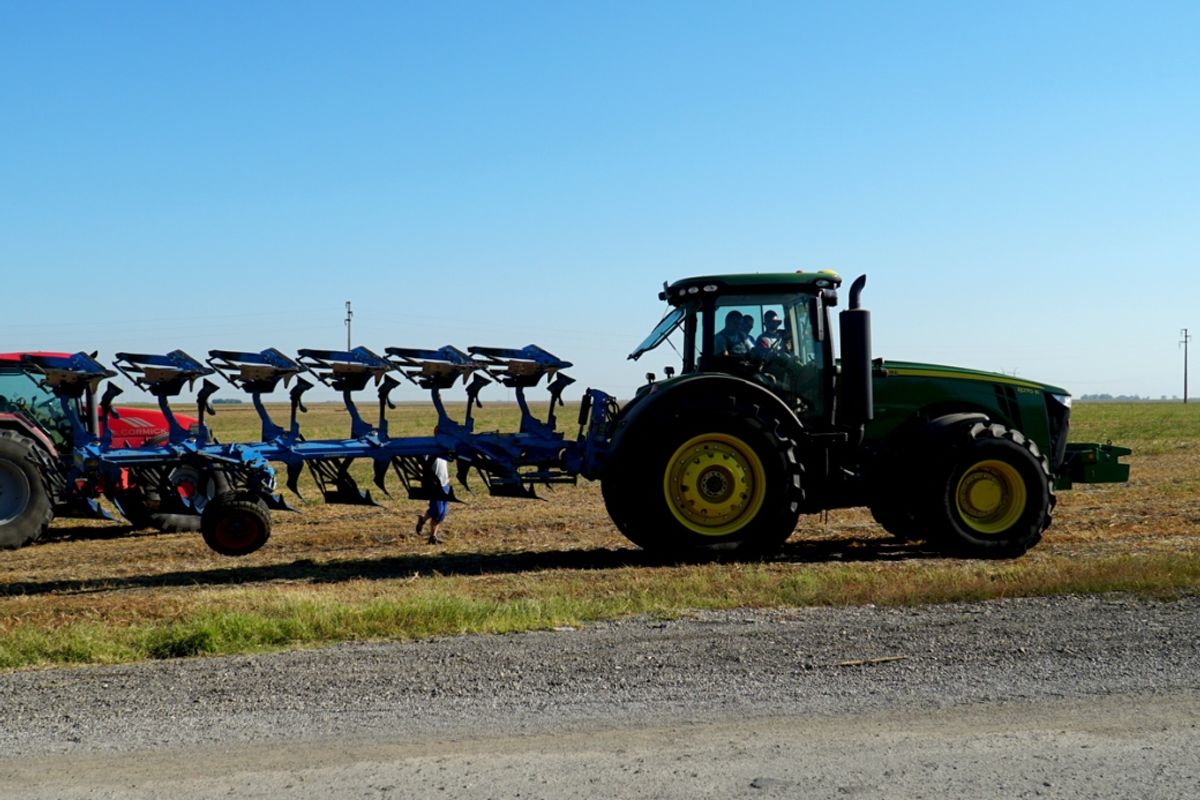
(442, 469)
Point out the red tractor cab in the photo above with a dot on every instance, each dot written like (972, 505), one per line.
(23, 402)
(36, 446)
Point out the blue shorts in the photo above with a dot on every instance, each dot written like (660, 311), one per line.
(438, 508)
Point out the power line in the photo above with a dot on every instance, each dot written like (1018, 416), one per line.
(1184, 338)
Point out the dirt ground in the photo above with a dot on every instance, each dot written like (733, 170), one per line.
(1158, 511)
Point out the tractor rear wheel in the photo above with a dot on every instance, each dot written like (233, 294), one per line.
(235, 523)
(25, 506)
(994, 492)
(704, 477)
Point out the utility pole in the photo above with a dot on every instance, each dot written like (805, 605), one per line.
(350, 316)
(1184, 338)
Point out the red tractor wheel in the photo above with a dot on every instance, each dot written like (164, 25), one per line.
(25, 507)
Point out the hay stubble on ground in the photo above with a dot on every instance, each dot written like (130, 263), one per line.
(1070, 697)
(503, 548)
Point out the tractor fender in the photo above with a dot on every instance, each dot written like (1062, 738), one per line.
(18, 423)
(939, 426)
(711, 385)
(903, 452)
(896, 467)
(923, 431)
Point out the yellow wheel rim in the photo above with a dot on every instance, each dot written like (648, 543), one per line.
(714, 484)
(990, 497)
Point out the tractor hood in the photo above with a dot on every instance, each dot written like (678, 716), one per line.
(910, 390)
(941, 372)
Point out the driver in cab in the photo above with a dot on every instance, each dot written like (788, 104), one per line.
(772, 334)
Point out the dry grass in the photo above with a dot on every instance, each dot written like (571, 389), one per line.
(98, 592)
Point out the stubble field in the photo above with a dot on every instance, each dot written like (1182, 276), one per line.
(99, 592)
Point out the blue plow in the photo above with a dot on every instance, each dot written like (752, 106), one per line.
(234, 475)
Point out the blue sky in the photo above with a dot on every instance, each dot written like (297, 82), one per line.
(1019, 181)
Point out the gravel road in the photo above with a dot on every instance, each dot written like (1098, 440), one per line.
(1065, 697)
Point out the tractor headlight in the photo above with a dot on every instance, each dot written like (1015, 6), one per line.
(1062, 399)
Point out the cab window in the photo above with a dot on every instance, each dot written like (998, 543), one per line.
(20, 394)
(772, 340)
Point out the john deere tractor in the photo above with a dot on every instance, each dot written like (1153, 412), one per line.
(763, 423)
(759, 424)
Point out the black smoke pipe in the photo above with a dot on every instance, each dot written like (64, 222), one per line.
(856, 399)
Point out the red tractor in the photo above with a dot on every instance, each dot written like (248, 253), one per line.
(35, 449)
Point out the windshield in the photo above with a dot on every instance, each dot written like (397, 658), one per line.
(774, 340)
(662, 330)
(19, 394)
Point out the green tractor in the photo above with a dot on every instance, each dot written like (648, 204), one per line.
(762, 424)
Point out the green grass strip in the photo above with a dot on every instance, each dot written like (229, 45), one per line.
(253, 620)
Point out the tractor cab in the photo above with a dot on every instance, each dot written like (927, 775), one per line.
(772, 329)
(22, 396)
(27, 397)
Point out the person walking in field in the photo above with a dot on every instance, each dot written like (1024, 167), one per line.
(436, 479)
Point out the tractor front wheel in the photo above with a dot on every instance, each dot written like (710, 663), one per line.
(235, 524)
(994, 492)
(25, 507)
(693, 481)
